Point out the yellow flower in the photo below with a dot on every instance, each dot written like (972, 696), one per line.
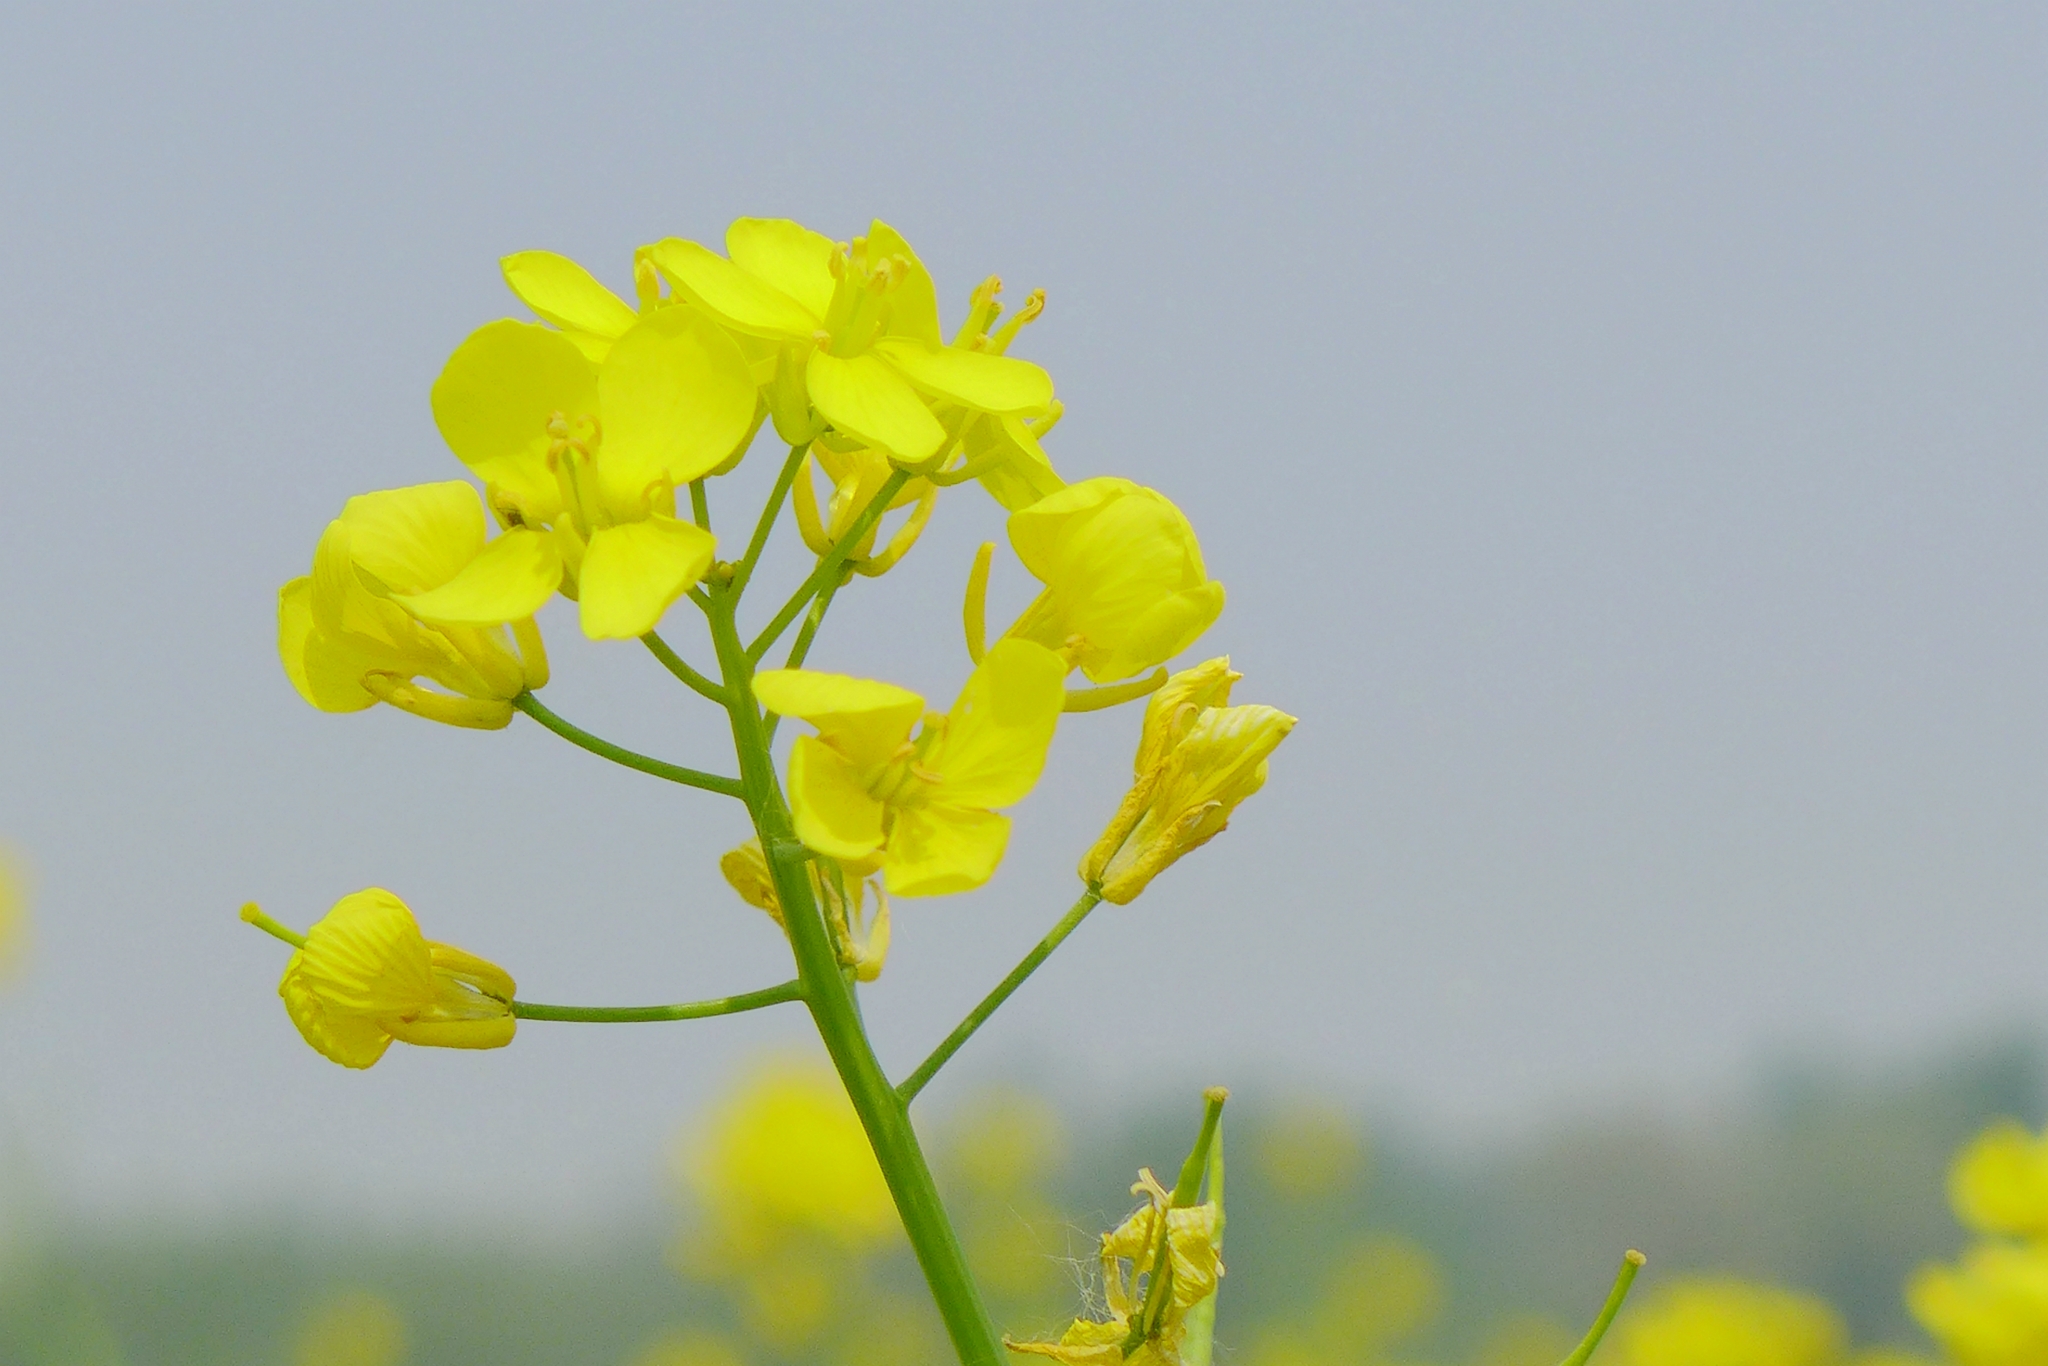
(862, 786)
(1999, 1184)
(14, 921)
(1992, 1310)
(855, 328)
(1130, 1260)
(596, 450)
(405, 586)
(363, 975)
(570, 297)
(1125, 589)
(862, 942)
(857, 473)
(1197, 759)
(786, 1152)
(1712, 1322)
(353, 1328)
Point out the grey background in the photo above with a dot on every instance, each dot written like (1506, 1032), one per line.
(1619, 429)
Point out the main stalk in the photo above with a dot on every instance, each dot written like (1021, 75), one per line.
(829, 994)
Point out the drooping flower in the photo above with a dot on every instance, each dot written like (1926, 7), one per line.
(363, 975)
(1198, 757)
(596, 450)
(864, 788)
(855, 328)
(406, 586)
(1125, 588)
(860, 936)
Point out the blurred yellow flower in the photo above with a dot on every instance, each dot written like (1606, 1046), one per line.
(404, 586)
(1992, 1310)
(862, 787)
(786, 1151)
(1722, 1322)
(363, 975)
(1309, 1151)
(1999, 1183)
(855, 329)
(596, 451)
(1197, 760)
(690, 1347)
(351, 1328)
(1125, 588)
(14, 917)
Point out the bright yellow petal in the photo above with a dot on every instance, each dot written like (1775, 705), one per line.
(494, 399)
(351, 1040)
(677, 398)
(415, 539)
(508, 581)
(787, 255)
(865, 720)
(1150, 637)
(914, 303)
(633, 572)
(495, 1032)
(325, 672)
(834, 814)
(566, 294)
(938, 850)
(998, 732)
(736, 297)
(1023, 475)
(1037, 533)
(972, 379)
(865, 398)
(367, 957)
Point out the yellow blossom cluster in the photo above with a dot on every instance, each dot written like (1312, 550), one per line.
(1991, 1309)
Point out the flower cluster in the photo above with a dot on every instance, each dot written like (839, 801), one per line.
(1992, 1308)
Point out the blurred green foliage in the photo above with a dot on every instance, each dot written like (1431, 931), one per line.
(1342, 1247)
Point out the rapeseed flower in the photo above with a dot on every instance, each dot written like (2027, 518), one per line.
(1197, 759)
(863, 788)
(595, 450)
(1718, 1322)
(1125, 588)
(1999, 1184)
(1991, 1310)
(1141, 1329)
(364, 975)
(406, 586)
(857, 473)
(860, 936)
(855, 328)
(570, 297)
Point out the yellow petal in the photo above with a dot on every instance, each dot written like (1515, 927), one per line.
(1023, 475)
(677, 398)
(834, 814)
(507, 582)
(997, 733)
(367, 957)
(736, 297)
(787, 255)
(325, 672)
(938, 850)
(914, 303)
(864, 397)
(492, 1033)
(972, 379)
(633, 572)
(566, 294)
(1153, 635)
(351, 1040)
(415, 539)
(496, 395)
(863, 719)
(1999, 1184)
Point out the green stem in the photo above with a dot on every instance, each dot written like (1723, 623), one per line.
(831, 1000)
(678, 666)
(618, 754)
(808, 632)
(700, 506)
(1631, 1263)
(829, 562)
(964, 1031)
(687, 1010)
(745, 569)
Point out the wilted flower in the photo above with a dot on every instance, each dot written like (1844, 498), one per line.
(861, 936)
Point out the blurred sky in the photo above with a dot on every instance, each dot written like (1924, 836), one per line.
(1619, 429)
